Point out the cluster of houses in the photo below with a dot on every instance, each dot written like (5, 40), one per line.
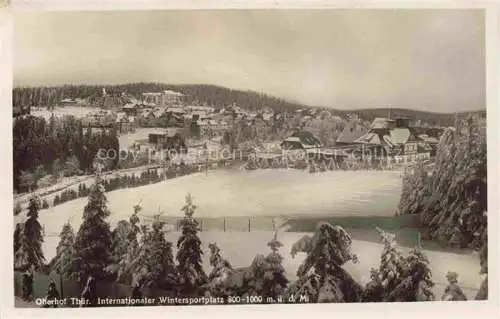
(385, 137)
(395, 137)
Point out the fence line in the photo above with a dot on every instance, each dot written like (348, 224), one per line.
(225, 224)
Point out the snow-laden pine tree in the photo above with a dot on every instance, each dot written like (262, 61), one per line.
(274, 282)
(119, 245)
(93, 240)
(222, 270)
(416, 284)
(416, 185)
(265, 277)
(389, 274)
(65, 252)
(321, 277)
(399, 278)
(455, 195)
(128, 263)
(154, 266)
(30, 254)
(189, 252)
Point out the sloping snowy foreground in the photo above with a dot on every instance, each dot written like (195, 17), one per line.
(241, 247)
(267, 193)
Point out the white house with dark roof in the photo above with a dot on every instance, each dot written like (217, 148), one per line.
(394, 137)
(170, 97)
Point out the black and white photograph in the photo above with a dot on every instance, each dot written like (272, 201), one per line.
(249, 157)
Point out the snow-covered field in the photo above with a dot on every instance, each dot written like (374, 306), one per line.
(76, 111)
(227, 193)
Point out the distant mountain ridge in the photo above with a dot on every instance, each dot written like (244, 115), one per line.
(216, 96)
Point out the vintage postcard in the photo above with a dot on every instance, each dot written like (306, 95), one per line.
(249, 157)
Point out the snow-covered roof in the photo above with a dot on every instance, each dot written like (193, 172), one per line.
(292, 139)
(369, 138)
(350, 134)
(400, 135)
(175, 110)
(381, 123)
(170, 92)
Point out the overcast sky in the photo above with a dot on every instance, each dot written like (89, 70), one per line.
(420, 59)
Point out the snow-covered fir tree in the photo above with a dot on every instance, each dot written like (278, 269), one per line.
(119, 244)
(274, 281)
(218, 278)
(189, 251)
(416, 186)
(65, 252)
(29, 253)
(416, 284)
(127, 262)
(220, 265)
(321, 276)
(399, 278)
(389, 274)
(454, 198)
(154, 266)
(93, 240)
(266, 275)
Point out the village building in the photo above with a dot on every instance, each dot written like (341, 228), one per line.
(388, 137)
(170, 139)
(130, 109)
(125, 123)
(170, 98)
(102, 118)
(350, 134)
(301, 140)
(152, 98)
(176, 115)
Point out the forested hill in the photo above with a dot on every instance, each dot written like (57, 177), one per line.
(432, 118)
(212, 95)
(201, 93)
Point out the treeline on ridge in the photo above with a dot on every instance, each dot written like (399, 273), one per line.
(212, 95)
